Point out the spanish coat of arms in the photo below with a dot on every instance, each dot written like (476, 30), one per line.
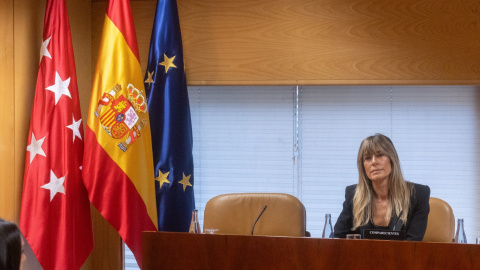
(118, 114)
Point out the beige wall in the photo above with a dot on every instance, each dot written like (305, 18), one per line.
(289, 42)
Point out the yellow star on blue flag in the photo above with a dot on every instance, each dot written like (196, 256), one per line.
(168, 62)
(162, 178)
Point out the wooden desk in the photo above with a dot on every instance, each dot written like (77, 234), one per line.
(163, 250)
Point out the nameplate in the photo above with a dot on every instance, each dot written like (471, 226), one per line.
(383, 234)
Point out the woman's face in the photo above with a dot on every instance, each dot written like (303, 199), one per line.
(377, 167)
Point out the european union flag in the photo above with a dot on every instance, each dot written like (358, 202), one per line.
(171, 126)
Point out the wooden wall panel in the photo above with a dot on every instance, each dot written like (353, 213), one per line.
(308, 42)
(98, 17)
(331, 41)
(8, 187)
(143, 16)
(80, 23)
(107, 253)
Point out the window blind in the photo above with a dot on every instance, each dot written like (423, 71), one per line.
(243, 140)
(333, 122)
(435, 130)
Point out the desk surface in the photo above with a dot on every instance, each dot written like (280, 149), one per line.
(163, 250)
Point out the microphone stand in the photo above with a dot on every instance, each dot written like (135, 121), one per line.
(253, 228)
(397, 222)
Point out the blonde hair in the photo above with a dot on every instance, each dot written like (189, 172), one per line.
(399, 190)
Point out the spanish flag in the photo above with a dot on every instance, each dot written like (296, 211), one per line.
(118, 163)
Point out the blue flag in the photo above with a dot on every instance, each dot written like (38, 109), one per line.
(171, 126)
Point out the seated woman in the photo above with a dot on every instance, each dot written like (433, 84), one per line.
(382, 196)
(11, 246)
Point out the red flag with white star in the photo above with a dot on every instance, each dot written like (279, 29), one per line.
(55, 212)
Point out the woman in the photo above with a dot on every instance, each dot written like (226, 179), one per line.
(11, 246)
(382, 199)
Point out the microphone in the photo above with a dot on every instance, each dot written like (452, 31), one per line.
(253, 228)
(398, 223)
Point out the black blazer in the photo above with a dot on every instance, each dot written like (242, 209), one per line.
(416, 220)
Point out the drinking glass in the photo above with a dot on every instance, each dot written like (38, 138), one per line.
(354, 236)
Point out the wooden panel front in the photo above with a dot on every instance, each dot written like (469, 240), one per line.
(447, 256)
(202, 251)
(163, 250)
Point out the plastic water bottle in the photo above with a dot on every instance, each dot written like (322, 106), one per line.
(327, 228)
(460, 235)
(194, 224)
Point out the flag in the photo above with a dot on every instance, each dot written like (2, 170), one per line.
(118, 165)
(167, 97)
(55, 211)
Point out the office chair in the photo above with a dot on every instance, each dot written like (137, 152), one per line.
(242, 214)
(441, 222)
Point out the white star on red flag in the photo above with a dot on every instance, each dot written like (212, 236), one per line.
(75, 127)
(35, 148)
(43, 50)
(59, 88)
(55, 185)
